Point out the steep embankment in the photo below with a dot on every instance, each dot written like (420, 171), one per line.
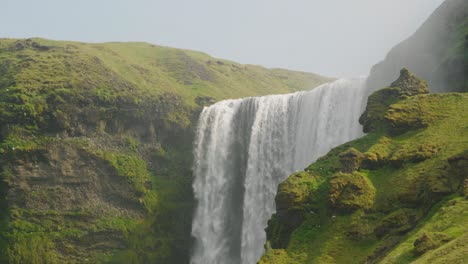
(96, 141)
(437, 52)
(397, 195)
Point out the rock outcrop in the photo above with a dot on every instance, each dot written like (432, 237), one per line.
(351, 192)
(405, 86)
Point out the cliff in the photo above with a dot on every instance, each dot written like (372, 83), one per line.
(396, 195)
(96, 142)
(437, 52)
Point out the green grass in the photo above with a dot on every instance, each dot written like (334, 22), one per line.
(410, 172)
(132, 107)
(448, 217)
(147, 68)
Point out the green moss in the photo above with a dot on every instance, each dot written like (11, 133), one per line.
(449, 218)
(361, 225)
(409, 84)
(350, 192)
(373, 117)
(131, 107)
(351, 160)
(130, 166)
(377, 115)
(429, 241)
(276, 256)
(417, 174)
(379, 153)
(398, 222)
(412, 153)
(295, 192)
(34, 248)
(134, 70)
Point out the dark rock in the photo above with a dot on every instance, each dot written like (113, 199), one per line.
(381, 250)
(458, 169)
(28, 44)
(351, 160)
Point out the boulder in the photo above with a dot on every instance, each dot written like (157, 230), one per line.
(374, 117)
(351, 160)
(351, 192)
(409, 84)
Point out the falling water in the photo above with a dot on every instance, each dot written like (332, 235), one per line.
(244, 148)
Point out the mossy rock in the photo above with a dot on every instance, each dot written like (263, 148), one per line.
(295, 191)
(412, 153)
(351, 192)
(459, 169)
(379, 154)
(360, 227)
(445, 177)
(279, 230)
(293, 199)
(276, 256)
(422, 111)
(397, 222)
(374, 117)
(429, 241)
(351, 160)
(409, 84)
(403, 117)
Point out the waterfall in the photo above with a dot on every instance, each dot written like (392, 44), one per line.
(244, 148)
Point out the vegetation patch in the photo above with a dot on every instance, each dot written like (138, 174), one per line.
(350, 192)
(403, 182)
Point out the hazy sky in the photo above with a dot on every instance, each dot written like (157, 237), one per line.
(331, 37)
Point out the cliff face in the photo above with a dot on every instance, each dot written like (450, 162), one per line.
(386, 197)
(437, 52)
(96, 142)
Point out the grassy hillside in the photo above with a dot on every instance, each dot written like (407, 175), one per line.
(396, 195)
(95, 146)
(151, 69)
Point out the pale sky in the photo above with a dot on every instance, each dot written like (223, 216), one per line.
(331, 37)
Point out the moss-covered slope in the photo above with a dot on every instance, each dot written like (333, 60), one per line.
(95, 146)
(396, 195)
